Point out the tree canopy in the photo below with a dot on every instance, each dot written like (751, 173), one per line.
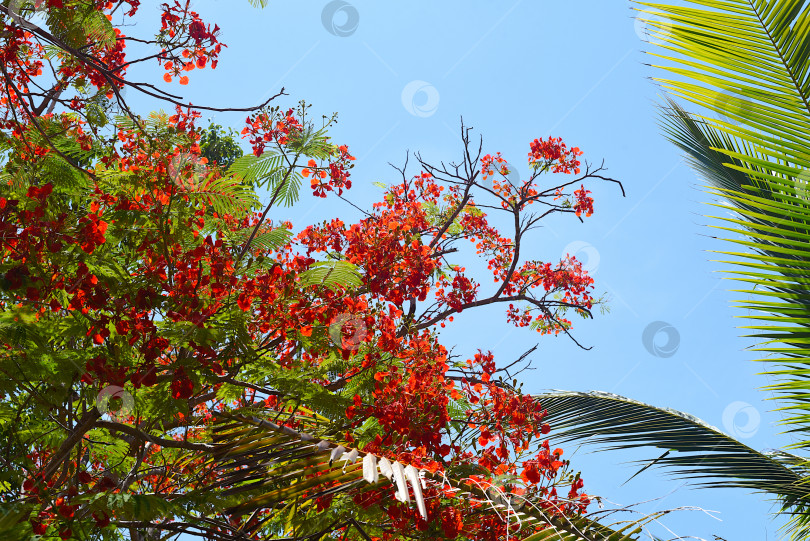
(176, 360)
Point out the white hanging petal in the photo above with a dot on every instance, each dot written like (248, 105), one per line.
(370, 468)
(402, 484)
(351, 456)
(323, 445)
(416, 483)
(337, 452)
(385, 468)
(422, 479)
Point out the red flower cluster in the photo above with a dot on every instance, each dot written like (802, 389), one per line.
(555, 155)
(203, 46)
(337, 172)
(584, 202)
(273, 127)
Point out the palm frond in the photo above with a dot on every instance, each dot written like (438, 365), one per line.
(747, 65)
(744, 61)
(695, 450)
(276, 468)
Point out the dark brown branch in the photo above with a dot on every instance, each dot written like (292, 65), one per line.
(143, 437)
(112, 77)
(87, 422)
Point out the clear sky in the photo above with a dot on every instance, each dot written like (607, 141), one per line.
(401, 74)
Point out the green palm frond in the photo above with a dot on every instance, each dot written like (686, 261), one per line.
(275, 468)
(703, 147)
(746, 63)
(694, 449)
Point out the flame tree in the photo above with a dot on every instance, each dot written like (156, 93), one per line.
(175, 360)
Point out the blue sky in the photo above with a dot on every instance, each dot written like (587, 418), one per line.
(517, 70)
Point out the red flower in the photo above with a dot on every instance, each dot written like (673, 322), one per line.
(452, 522)
(39, 528)
(182, 387)
(101, 518)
